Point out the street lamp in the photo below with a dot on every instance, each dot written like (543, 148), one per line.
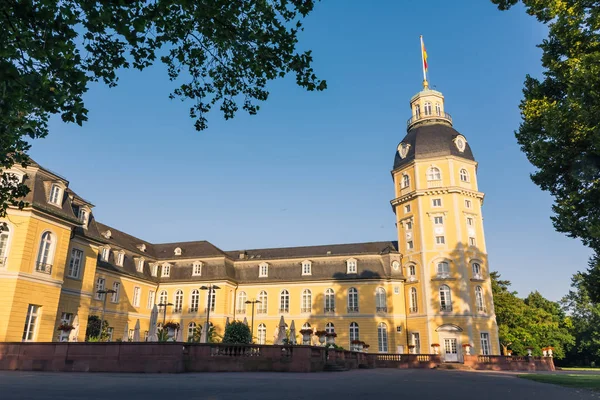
(164, 305)
(253, 302)
(210, 289)
(104, 292)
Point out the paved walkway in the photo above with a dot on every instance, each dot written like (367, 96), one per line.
(354, 385)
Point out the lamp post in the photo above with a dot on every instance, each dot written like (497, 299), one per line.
(104, 292)
(210, 289)
(253, 302)
(164, 305)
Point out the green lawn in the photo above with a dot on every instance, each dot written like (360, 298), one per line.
(580, 369)
(570, 380)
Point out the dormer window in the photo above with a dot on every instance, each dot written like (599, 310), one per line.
(166, 270)
(154, 269)
(139, 265)
(119, 258)
(178, 251)
(306, 267)
(351, 266)
(197, 269)
(55, 195)
(263, 270)
(84, 215)
(105, 253)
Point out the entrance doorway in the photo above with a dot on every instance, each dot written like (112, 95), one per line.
(450, 336)
(450, 351)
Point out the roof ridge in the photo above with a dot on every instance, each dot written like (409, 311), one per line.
(318, 245)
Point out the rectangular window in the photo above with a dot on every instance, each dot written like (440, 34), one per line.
(154, 270)
(75, 263)
(151, 295)
(166, 270)
(137, 294)
(31, 323)
(438, 220)
(485, 343)
(306, 268)
(436, 202)
(197, 269)
(105, 253)
(115, 296)
(468, 203)
(409, 245)
(416, 341)
(140, 265)
(407, 208)
(130, 334)
(120, 258)
(263, 271)
(440, 240)
(351, 267)
(408, 225)
(100, 282)
(472, 241)
(469, 221)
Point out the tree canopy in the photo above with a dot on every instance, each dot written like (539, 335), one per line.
(221, 53)
(560, 129)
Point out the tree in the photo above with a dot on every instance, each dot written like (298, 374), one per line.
(560, 118)
(93, 328)
(585, 323)
(237, 333)
(533, 321)
(220, 52)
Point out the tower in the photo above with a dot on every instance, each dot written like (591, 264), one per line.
(440, 235)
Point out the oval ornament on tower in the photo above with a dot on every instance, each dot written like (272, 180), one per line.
(403, 149)
(460, 142)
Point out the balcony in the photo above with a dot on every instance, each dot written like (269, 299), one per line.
(305, 310)
(44, 268)
(434, 183)
(353, 309)
(329, 310)
(416, 119)
(284, 311)
(381, 309)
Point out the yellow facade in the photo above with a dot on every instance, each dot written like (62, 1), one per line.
(430, 287)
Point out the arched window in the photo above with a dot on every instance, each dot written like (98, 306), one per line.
(191, 331)
(405, 181)
(284, 301)
(178, 301)
(443, 268)
(4, 242)
(329, 328)
(479, 299)
(476, 270)
(46, 253)
(194, 300)
(352, 300)
(438, 109)
(162, 297)
(414, 300)
(434, 174)
(445, 298)
(306, 306)
(427, 108)
(262, 334)
(417, 111)
(380, 300)
(382, 337)
(354, 334)
(262, 306)
(464, 175)
(210, 302)
(241, 303)
(412, 271)
(329, 300)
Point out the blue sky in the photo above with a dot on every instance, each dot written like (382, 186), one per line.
(313, 168)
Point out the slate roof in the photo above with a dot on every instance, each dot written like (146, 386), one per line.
(431, 140)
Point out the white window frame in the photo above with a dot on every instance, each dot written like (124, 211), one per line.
(427, 108)
(306, 268)
(380, 300)
(137, 295)
(438, 109)
(120, 258)
(417, 111)
(284, 301)
(353, 305)
(409, 245)
(55, 197)
(468, 203)
(476, 268)
(480, 300)
(178, 301)
(241, 302)
(5, 239)
(484, 338)
(443, 269)
(100, 285)
(407, 209)
(166, 270)
(154, 270)
(76, 261)
(151, 299)
(440, 240)
(405, 181)
(197, 268)
(438, 220)
(31, 323)
(354, 333)
(436, 202)
(352, 266)
(46, 250)
(105, 253)
(263, 297)
(163, 297)
(329, 300)
(470, 221)
(472, 241)
(382, 337)
(177, 251)
(464, 175)
(139, 265)
(434, 174)
(262, 334)
(413, 301)
(306, 301)
(445, 294)
(114, 298)
(84, 216)
(211, 302)
(194, 300)
(415, 340)
(263, 270)
(412, 271)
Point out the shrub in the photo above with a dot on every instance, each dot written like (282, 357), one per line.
(237, 332)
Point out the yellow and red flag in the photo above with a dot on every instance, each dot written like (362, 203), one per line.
(424, 55)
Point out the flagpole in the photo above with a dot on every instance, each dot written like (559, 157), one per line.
(425, 84)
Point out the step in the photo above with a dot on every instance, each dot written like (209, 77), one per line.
(454, 366)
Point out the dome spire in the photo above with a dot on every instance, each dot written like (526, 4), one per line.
(424, 60)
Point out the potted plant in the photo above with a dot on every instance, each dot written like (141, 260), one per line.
(467, 347)
(306, 335)
(355, 345)
(365, 347)
(411, 348)
(529, 350)
(550, 351)
(436, 348)
(508, 353)
(331, 338)
(321, 336)
(66, 327)
(171, 327)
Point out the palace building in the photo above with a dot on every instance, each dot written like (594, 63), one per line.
(430, 287)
